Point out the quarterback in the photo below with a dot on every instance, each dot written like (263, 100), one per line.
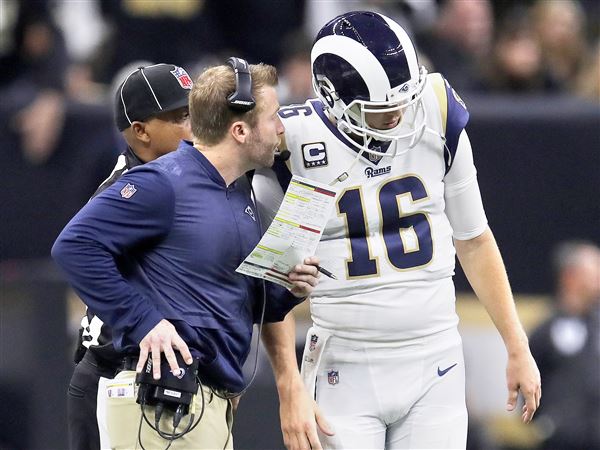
(384, 360)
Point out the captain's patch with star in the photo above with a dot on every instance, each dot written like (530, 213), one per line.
(314, 154)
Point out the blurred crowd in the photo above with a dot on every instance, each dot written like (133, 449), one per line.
(58, 53)
(52, 50)
(62, 59)
(74, 49)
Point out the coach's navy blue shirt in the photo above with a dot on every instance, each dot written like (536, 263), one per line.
(187, 232)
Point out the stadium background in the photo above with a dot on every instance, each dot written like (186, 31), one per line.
(529, 72)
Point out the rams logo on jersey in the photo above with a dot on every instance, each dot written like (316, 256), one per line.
(314, 154)
(370, 172)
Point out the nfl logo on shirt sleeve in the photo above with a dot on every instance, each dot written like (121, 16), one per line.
(128, 191)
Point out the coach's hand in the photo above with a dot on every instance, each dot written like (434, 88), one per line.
(301, 418)
(304, 277)
(523, 375)
(163, 338)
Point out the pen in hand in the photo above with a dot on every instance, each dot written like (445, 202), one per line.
(326, 272)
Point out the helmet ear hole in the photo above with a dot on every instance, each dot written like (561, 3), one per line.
(325, 90)
(326, 93)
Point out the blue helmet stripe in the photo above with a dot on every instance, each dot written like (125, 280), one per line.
(381, 41)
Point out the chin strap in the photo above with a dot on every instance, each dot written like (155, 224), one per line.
(344, 175)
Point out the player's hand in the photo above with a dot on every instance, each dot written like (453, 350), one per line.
(304, 277)
(301, 418)
(163, 338)
(523, 375)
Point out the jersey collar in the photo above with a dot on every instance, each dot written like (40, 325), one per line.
(381, 146)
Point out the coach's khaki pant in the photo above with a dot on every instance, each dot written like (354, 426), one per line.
(123, 417)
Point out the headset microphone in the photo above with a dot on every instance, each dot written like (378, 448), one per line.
(282, 155)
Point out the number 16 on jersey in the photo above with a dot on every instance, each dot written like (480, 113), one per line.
(394, 225)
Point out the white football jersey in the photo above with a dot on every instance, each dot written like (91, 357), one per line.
(389, 239)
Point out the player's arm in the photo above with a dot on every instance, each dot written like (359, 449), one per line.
(483, 266)
(482, 263)
(299, 414)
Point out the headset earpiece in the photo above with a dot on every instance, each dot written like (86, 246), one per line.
(242, 99)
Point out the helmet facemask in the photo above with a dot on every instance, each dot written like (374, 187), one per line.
(406, 133)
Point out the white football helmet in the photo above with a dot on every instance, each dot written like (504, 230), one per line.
(364, 62)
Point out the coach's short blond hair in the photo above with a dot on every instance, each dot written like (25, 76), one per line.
(210, 114)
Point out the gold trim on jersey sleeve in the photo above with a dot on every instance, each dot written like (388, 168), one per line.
(439, 88)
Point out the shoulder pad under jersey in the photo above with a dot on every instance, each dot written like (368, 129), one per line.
(453, 112)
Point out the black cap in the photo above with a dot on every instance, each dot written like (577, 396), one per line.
(149, 91)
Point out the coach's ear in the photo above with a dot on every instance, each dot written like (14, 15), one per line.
(239, 131)
(139, 132)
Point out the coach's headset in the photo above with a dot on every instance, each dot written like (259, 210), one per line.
(242, 99)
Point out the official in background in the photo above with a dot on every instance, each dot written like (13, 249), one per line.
(187, 223)
(151, 112)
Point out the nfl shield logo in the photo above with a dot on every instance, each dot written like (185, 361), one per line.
(185, 81)
(313, 342)
(373, 157)
(128, 191)
(333, 377)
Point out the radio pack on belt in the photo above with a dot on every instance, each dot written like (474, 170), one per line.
(172, 389)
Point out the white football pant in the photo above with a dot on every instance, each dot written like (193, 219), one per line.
(406, 395)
